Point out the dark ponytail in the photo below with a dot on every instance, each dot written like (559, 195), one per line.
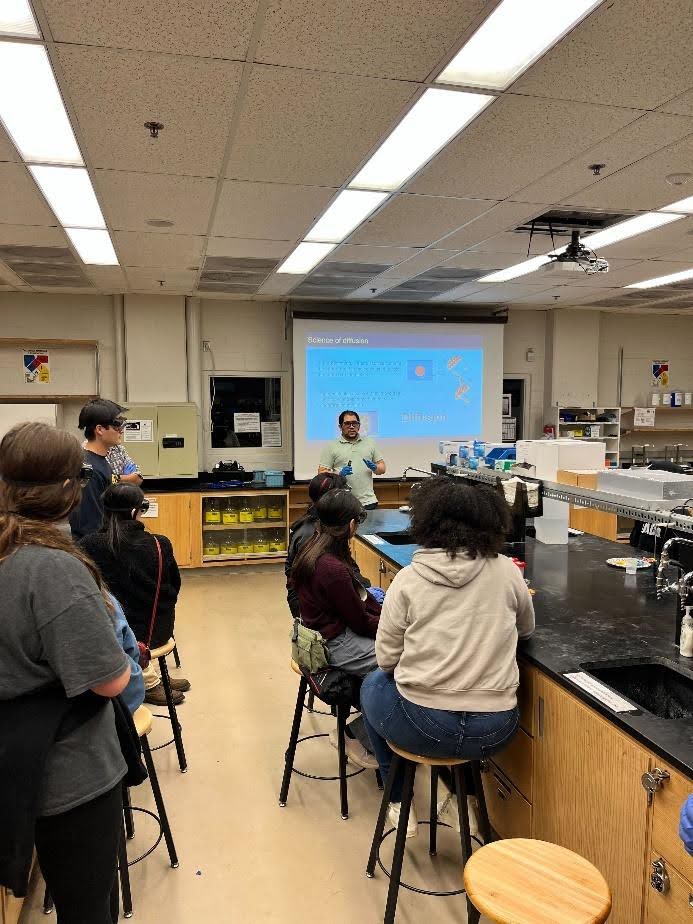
(119, 502)
(335, 509)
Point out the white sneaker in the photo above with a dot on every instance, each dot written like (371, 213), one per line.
(355, 752)
(449, 813)
(393, 818)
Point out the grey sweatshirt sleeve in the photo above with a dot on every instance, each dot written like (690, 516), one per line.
(389, 641)
(525, 607)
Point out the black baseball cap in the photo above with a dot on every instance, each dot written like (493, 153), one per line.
(99, 412)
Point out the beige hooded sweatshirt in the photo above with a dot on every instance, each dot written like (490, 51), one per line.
(449, 629)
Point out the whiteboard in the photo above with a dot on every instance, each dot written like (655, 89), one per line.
(11, 414)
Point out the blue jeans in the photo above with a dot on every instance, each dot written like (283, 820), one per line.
(388, 716)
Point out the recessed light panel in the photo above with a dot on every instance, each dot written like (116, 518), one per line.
(684, 206)
(428, 126)
(31, 107)
(511, 39)
(519, 269)
(305, 257)
(629, 228)
(349, 209)
(93, 247)
(661, 280)
(70, 194)
(17, 19)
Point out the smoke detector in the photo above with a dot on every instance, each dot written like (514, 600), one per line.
(677, 179)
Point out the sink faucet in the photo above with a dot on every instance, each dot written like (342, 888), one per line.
(683, 585)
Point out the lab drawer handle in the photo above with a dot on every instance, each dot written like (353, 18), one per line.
(659, 878)
(652, 782)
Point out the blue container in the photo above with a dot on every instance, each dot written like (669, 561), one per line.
(274, 479)
(500, 454)
(259, 477)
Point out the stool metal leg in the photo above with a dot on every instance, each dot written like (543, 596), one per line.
(293, 738)
(176, 656)
(342, 716)
(175, 724)
(398, 856)
(379, 780)
(380, 823)
(484, 823)
(159, 801)
(311, 700)
(465, 836)
(128, 813)
(124, 874)
(433, 816)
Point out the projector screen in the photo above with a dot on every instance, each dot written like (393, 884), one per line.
(412, 385)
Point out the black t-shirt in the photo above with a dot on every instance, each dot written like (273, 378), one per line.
(87, 517)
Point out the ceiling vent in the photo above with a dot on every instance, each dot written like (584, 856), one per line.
(562, 221)
(45, 266)
(235, 275)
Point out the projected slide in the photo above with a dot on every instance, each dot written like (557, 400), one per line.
(403, 386)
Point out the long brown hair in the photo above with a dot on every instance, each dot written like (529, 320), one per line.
(335, 509)
(35, 462)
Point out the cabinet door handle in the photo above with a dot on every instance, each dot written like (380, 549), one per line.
(540, 716)
(502, 789)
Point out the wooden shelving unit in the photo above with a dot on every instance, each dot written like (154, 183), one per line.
(249, 534)
(585, 425)
(670, 438)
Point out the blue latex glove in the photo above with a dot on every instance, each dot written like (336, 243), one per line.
(686, 825)
(377, 593)
(347, 470)
(130, 468)
(371, 465)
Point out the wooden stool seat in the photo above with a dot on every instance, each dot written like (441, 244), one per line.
(164, 650)
(427, 761)
(142, 718)
(521, 881)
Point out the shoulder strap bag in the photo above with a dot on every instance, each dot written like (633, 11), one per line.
(145, 650)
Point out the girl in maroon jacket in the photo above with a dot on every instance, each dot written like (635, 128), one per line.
(335, 604)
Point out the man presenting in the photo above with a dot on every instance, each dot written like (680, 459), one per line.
(355, 458)
(103, 424)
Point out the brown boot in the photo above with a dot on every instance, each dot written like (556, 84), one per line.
(179, 683)
(157, 696)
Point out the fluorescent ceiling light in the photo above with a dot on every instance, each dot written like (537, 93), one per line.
(305, 257)
(71, 196)
(519, 269)
(428, 126)
(93, 246)
(347, 211)
(661, 280)
(17, 19)
(511, 39)
(683, 205)
(31, 107)
(628, 228)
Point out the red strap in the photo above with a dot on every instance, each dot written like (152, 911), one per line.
(156, 595)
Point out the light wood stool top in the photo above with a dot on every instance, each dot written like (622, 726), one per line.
(427, 761)
(164, 650)
(142, 718)
(521, 881)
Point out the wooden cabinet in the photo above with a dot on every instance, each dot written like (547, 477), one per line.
(673, 906)
(587, 793)
(10, 907)
(666, 808)
(368, 562)
(509, 812)
(516, 761)
(174, 520)
(387, 574)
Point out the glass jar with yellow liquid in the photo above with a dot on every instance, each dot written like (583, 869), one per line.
(245, 514)
(275, 509)
(245, 547)
(260, 509)
(229, 515)
(229, 545)
(212, 514)
(261, 543)
(277, 542)
(211, 547)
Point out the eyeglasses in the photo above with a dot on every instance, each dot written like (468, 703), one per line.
(361, 518)
(118, 423)
(144, 506)
(352, 423)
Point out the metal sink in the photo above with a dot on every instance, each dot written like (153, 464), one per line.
(656, 685)
(398, 538)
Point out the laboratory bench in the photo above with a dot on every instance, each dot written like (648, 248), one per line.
(573, 774)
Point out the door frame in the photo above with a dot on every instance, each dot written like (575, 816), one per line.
(526, 398)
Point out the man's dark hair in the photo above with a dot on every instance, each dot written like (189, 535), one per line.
(343, 415)
(448, 514)
(101, 412)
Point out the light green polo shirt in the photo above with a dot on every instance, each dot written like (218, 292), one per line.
(340, 452)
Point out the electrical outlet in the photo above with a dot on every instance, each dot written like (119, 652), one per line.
(206, 346)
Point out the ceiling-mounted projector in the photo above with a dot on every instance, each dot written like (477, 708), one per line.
(576, 257)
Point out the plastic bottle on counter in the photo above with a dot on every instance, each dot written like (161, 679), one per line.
(686, 642)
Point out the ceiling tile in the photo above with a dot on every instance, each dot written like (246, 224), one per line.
(502, 217)
(683, 104)
(115, 92)
(420, 263)
(148, 279)
(279, 284)
(490, 294)
(207, 28)
(482, 261)
(177, 251)
(7, 149)
(651, 132)
(311, 128)
(517, 244)
(631, 53)
(418, 220)
(653, 244)
(33, 235)
(375, 287)
(107, 279)
(514, 142)
(461, 291)
(240, 247)
(20, 201)
(129, 199)
(268, 212)
(358, 253)
(385, 38)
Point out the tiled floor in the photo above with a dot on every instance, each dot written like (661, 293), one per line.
(242, 858)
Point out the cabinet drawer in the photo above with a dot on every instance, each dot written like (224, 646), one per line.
(525, 697)
(510, 814)
(673, 907)
(516, 761)
(10, 907)
(665, 821)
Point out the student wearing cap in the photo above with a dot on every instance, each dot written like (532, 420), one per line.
(103, 424)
